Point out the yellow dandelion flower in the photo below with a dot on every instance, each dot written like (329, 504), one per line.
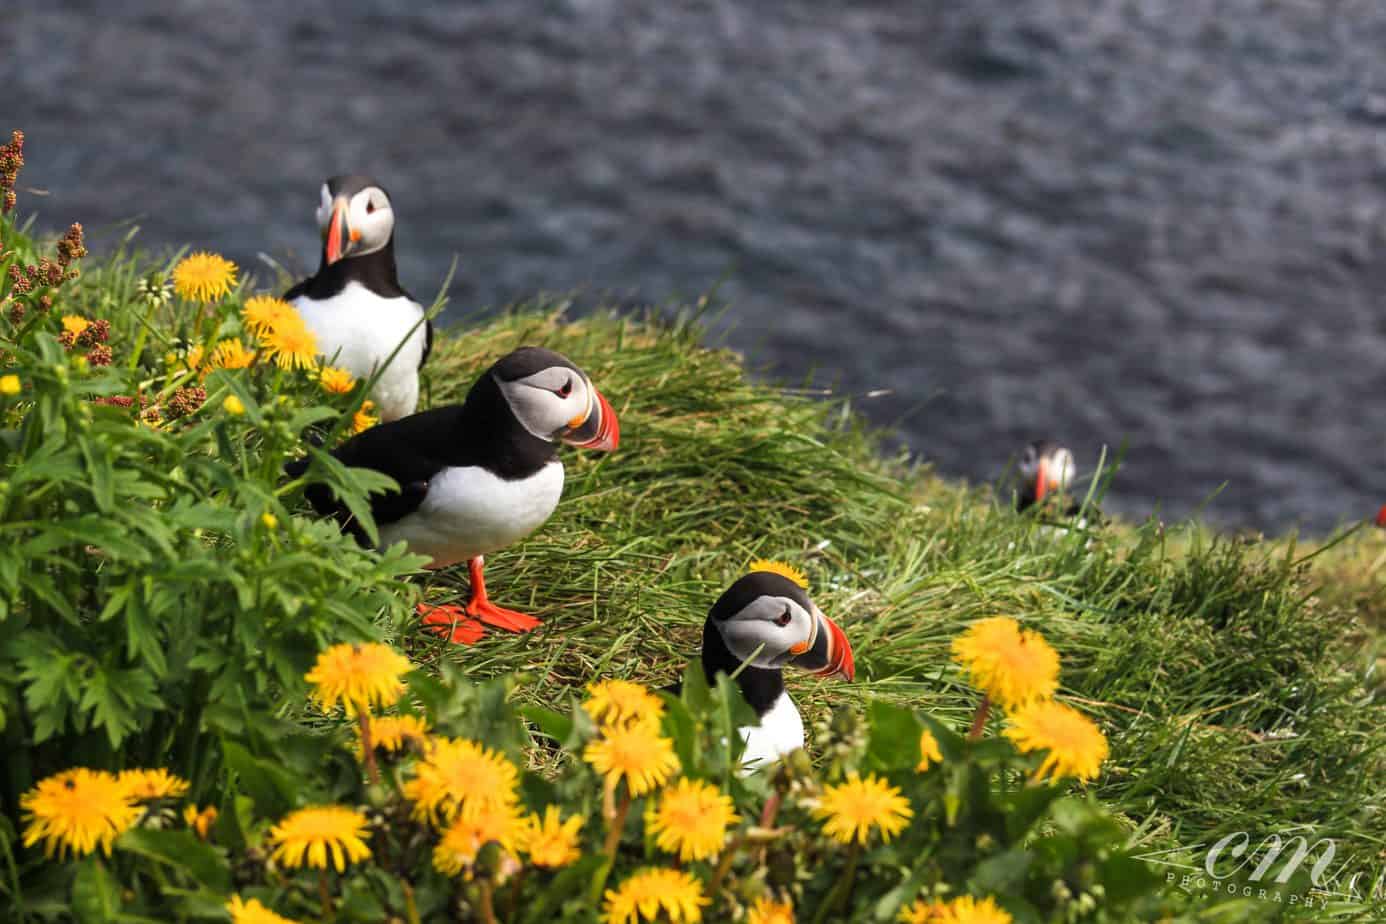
(200, 822)
(204, 277)
(78, 810)
(363, 419)
(290, 343)
(1075, 744)
(782, 569)
(9, 385)
(638, 754)
(691, 820)
(929, 753)
(1010, 664)
(262, 313)
(270, 520)
(360, 676)
(471, 831)
(458, 776)
(232, 354)
(148, 785)
(768, 911)
(922, 912)
(252, 912)
(856, 807)
(392, 732)
(968, 910)
(319, 835)
(552, 842)
(648, 892)
(75, 324)
(233, 406)
(335, 381)
(620, 702)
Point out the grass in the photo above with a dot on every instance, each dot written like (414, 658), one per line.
(1233, 684)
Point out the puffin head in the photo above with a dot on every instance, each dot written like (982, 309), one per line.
(354, 216)
(768, 621)
(555, 400)
(1046, 467)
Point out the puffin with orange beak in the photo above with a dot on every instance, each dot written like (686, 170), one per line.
(354, 305)
(478, 476)
(766, 622)
(1046, 471)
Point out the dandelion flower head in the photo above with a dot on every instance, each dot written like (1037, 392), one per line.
(319, 835)
(1010, 664)
(361, 677)
(78, 810)
(854, 808)
(1075, 744)
(204, 277)
(637, 754)
(691, 819)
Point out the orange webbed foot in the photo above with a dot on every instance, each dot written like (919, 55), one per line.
(500, 617)
(451, 622)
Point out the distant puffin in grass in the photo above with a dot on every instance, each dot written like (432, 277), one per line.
(766, 621)
(478, 476)
(354, 304)
(1046, 472)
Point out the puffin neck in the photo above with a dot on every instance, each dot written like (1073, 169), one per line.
(492, 437)
(376, 271)
(761, 686)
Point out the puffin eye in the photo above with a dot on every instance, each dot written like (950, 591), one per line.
(784, 618)
(566, 390)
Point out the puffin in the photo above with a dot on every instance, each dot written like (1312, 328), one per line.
(1046, 471)
(354, 304)
(766, 621)
(476, 477)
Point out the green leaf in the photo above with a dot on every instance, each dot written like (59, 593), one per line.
(95, 893)
(200, 861)
(999, 874)
(894, 742)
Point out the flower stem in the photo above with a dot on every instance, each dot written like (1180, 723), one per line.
(843, 890)
(324, 894)
(368, 746)
(411, 910)
(979, 721)
(617, 823)
(488, 913)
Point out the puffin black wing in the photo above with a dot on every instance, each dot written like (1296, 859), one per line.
(412, 451)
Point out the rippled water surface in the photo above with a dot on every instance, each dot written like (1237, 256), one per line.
(1132, 220)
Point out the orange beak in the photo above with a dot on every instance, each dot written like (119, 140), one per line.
(828, 653)
(338, 235)
(1041, 481)
(600, 430)
(1381, 516)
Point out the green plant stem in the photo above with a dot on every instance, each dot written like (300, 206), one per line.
(324, 895)
(411, 909)
(843, 890)
(488, 913)
(979, 721)
(617, 823)
(368, 746)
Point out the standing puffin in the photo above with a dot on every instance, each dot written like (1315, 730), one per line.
(478, 476)
(766, 621)
(354, 304)
(1046, 471)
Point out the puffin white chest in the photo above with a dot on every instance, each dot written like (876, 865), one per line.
(357, 330)
(469, 511)
(781, 730)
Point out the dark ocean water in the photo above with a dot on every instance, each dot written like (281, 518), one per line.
(1150, 221)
